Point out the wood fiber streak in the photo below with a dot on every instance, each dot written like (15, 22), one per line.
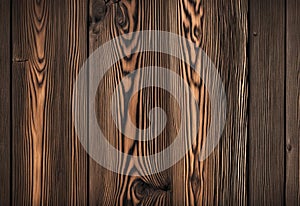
(221, 30)
(5, 104)
(266, 103)
(49, 165)
(292, 103)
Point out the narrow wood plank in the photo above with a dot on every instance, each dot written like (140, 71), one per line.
(220, 29)
(109, 20)
(267, 102)
(5, 89)
(292, 102)
(49, 46)
(222, 178)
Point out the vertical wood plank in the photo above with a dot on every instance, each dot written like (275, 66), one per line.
(292, 102)
(267, 102)
(221, 30)
(5, 89)
(49, 46)
(109, 20)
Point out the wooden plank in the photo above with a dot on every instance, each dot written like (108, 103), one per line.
(222, 178)
(266, 102)
(292, 102)
(49, 45)
(5, 88)
(108, 21)
(220, 29)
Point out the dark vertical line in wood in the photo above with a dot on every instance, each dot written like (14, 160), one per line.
(10, 97)
(285, 81)
(248, 103)
(87, 96)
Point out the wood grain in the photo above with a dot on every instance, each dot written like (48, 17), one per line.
(267, 103)
(215, 26)
(109, 20)
(5, 103)
(49, 165)
(222, 178)
(292, 102)
(43, 44)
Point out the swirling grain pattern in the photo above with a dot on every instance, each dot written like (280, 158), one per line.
(49, 165)
(222, 178)
(120, 18)
(44, 43)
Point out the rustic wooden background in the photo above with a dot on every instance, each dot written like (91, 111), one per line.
(255, 46)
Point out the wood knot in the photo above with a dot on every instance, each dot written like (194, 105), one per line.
(289, 147)
(142, 189)
(197, 32)
(121, 15)
(167, 188)
(99, 10)
(195, 182)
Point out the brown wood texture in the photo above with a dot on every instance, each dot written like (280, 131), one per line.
(109, 20)
(254, 45)
(222, 178)
(49, 166)
(5, 103)
(292, 102)
(267, 103)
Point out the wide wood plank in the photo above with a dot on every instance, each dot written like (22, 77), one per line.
(221, 179)
(266, 102)
(5, 104)
(49, 46)
(220, 29)
(292, 102)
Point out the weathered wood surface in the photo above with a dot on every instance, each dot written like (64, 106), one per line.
(292, 102)
(5, 103)
(49, 166)
(266, 103)
(109, 21)
(255, 48)
(221, 179)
